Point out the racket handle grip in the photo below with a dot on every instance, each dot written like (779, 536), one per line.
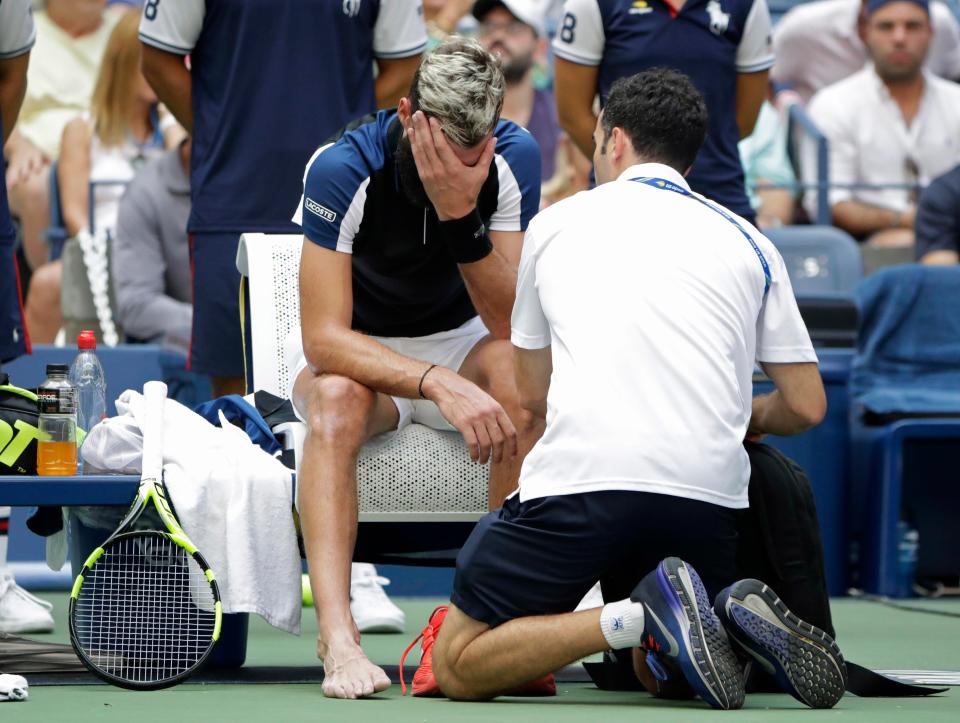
(154, 396)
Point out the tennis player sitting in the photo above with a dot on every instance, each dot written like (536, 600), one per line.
(641, 308)
(413, 223)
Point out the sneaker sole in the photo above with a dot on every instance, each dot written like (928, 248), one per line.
(805, 660)
(381, 625)
(708, 662)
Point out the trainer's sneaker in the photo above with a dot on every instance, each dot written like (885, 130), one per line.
(679, 624)
(805, 660)
(21, 612)
(425, 684)
(372, 610)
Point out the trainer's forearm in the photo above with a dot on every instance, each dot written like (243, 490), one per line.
(772, 415)
(337, 350)
(492, 285)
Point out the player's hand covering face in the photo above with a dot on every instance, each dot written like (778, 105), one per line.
(452, 176)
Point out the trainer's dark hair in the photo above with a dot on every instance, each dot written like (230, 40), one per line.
(662, 114)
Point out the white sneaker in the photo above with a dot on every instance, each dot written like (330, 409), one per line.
(372, 610)
(593, 599)
(21, 612)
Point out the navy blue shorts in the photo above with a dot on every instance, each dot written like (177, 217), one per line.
(216, 344)
(14, 341)
(540, 557)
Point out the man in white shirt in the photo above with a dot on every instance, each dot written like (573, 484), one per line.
(819, 43)
(893, 127)
(641, 308)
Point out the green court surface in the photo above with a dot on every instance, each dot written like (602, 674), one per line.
(870, 634)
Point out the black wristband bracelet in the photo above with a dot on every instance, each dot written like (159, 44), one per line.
(420, 385)
(466, 238)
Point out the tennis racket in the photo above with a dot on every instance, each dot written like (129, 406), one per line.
(145, 610)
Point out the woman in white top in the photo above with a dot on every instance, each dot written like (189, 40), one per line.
(100, 153)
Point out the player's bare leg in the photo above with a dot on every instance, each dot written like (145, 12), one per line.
(341, 415)
(490, 365)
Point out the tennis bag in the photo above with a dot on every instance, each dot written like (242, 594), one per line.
(779, 544)
(18, 429)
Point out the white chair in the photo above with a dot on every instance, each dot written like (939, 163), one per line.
(418, 475)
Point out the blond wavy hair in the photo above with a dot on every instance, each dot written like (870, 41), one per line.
(114, 94)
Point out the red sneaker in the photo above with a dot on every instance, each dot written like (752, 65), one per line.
(425, 684)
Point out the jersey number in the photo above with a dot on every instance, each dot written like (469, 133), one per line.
(566, 30)
(150, 9)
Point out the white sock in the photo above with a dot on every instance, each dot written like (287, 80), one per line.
(622, 624)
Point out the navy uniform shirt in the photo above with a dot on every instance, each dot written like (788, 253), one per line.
(711, 41)
(405, 283)
(271, 80)
(17, 36)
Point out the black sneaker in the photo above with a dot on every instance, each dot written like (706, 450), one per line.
(805, 660)
(679, 624)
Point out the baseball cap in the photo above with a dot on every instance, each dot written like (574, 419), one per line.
(531, 12)
(874, 5)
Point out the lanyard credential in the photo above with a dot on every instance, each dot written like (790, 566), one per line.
(665, 185)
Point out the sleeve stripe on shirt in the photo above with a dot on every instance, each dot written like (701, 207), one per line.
(510, 196)
(567, 54)
(756, 67)
(403, 53)
(161, 45)
(352, 218)
(17, 52)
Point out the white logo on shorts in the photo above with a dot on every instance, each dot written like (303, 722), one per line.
(317, 210)
(351, 8)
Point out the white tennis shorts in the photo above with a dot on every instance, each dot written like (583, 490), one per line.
(445, 348)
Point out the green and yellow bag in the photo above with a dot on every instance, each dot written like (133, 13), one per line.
(18, 429)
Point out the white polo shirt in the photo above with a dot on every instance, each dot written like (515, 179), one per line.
(871, 143)
(816, 44)
(654, 307)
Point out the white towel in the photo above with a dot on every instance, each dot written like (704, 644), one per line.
(13, 688)
(233, 499)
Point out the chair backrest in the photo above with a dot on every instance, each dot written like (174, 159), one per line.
(821, 260)
(418, 474)
(272, 263)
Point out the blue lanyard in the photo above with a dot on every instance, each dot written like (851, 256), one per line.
(668, 186)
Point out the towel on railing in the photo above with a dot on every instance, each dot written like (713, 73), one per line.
(908, 347)
(233, 499)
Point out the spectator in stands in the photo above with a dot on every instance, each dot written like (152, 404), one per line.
(71, 38)
(820, 43)
(20, 612)
(405, 305)
(122, 129)
(938, 221)
(511, 30)
(260, 109)
(891, 123)
(765, 163)
(723, 46)
(151, 253)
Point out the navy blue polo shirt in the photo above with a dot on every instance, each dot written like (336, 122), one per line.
(272, 79)
(711, 41)
(938, 215)
(405, 283)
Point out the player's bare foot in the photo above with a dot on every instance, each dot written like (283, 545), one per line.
(347, 673)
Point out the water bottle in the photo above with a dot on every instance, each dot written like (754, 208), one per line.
(57, 407)
(86, 375)
(908, 547)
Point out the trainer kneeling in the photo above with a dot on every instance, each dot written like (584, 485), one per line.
(641, 308)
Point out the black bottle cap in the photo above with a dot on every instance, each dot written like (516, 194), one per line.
(58, 369)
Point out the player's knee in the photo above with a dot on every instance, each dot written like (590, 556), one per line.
(45, 284)
(339, 409)
(450, 678)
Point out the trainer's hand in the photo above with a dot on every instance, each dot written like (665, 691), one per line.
(451, 185)
(486, 428)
